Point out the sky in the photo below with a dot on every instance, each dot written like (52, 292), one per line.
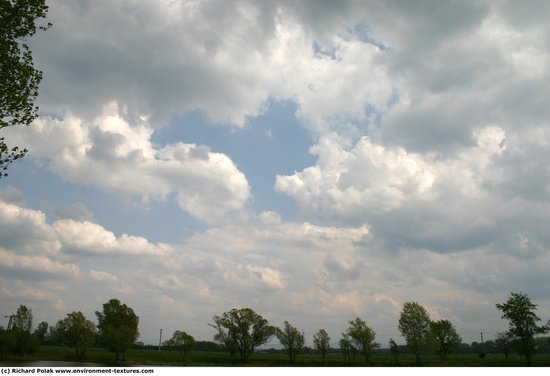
(315, 161)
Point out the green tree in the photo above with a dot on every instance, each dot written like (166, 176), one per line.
(118, 327)
(41, 331)
(347, 348)
(19, 79)
(414, 325)
(520, 313)
(394, 349)
(76, 331)
(55, 334)
(291, 339)
(242, 330)
(21, 326)
(22, 320)
(8, 341)
(362, 337)
(184, 343)
(321, 341)
(445, 337)
(503, 343)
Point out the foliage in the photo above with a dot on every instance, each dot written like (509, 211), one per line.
(347, 348)
(22, 320)
(362, 337)
(26, 343)
(8, 341)
(414, 325)
(41, 331)
(183, 342)
(543, 344)
(394, 349)
(19, 79)
(76, 331)
(118, 327)
(242, 330)
(445, 336)
(520, 312)
(291, 339)
(321, 341)
(503, 343)
(208, 346)
(55, 335)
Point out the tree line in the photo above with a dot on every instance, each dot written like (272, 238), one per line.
(242, 331)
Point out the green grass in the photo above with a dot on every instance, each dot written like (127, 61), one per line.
(276, 359)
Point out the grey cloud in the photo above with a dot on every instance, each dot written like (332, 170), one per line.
(460, 242)
(77, 211)
(343, 269)
(11, 195)
(151, 58)
(200, 152)
(104, 145)
(441, 228)
(24, 231)
(33, 274)
(529, 13)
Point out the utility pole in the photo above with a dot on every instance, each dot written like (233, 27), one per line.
(160, 339)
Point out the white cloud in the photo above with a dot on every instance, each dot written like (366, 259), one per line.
(32, 248)
(111, 154)
(359, 181)
(255, 277)
(25, 231)
(158, 57)
(100, 276)
(36, 267)
(90, 237)
(430, 124)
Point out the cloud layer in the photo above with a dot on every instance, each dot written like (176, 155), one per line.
(430, 133)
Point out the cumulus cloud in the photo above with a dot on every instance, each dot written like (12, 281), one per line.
(35, 267)
(225, 61)
(357, 181)
(111, 154)
(26, 231)
(29, 241)
(473, 197)
(90, 237)
(210, 58)
(430, 129)
(100, 276)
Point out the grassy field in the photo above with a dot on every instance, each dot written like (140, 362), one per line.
(276, 359)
